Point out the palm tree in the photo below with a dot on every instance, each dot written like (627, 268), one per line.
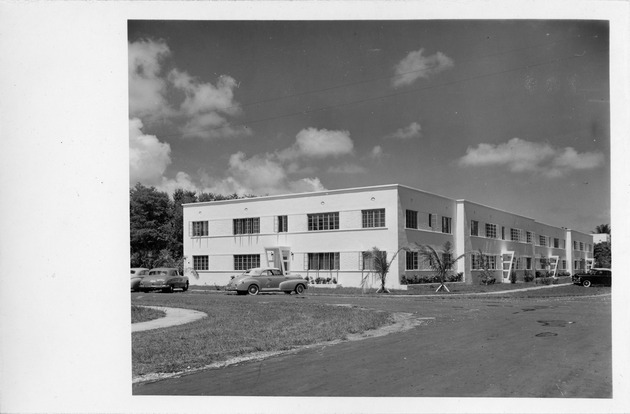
(602, 229)
(381, 265)
(440, 262)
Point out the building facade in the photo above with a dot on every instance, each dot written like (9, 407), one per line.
(327, 235)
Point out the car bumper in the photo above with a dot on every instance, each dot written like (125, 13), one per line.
(154, 286)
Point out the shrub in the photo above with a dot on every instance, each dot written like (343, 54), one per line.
(456, 278)
(527, 276)
(513, 277)
(542, 273)
(487, 279)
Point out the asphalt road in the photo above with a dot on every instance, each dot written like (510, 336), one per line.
(475, 347)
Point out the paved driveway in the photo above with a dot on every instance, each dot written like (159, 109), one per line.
(475, 347)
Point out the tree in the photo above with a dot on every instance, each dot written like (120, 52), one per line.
(487, 274)
(180, 197)
(602, 255)
(381, 266)
(150, 224)
(602, 229)
(440, 262)
(602, 250)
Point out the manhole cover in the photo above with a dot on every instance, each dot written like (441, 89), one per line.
(545, 334)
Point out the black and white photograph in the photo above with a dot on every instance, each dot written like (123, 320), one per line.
(323, 206)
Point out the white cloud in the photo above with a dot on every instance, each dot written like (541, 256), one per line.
(523, 156)
(319, 143)
(415, 66)
(148, 157)
(306, 185)
(206, 106)
(414, 130)
(260, 174)
(146, 88)
(377, 152)
(347, 169)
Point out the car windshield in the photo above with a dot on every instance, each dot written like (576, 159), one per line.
(251, 272)
(158, 272)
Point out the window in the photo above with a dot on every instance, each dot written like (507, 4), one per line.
(581, 246)
(246, 261)
(411, 262)
(200, 262)
(477, 262)
(283, 224)
(564, 244)
(431, 220)
(323, 221)
(542, 240)
(411, 219)
(556, 242)
(323, 261)
(199, 228)
(491, 231)
(247, 225)
(502, 233)
(367, 261)
(474, 228)
(528, 263)
(373, 218)
(575, 245)
(564, 265)
(446, 225)
(530, 236)
(515, 234)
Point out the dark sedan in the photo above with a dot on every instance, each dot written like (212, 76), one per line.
(595, 276)
(165, 279)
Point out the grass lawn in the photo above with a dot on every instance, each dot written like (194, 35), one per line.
(142, 314)
(240, 325)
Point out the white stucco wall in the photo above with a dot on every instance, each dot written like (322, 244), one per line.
(350, 240)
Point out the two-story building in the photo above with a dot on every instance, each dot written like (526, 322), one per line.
(328, 235)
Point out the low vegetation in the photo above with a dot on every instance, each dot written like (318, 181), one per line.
(239, 326)
(143, 314)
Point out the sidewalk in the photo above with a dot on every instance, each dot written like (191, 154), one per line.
(174, 316)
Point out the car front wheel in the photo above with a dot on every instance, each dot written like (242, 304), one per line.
(253, 290)
(586, 283)
(299, 289)
(186, 286)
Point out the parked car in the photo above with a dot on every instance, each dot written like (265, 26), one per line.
(137, 273)
(595, 276)
(165, 279)
(266, 279)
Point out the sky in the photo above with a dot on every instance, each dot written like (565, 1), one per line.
(513, 114)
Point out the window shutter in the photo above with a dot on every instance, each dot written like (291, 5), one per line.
(190, 225)
(276, 227)
(305, 261)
